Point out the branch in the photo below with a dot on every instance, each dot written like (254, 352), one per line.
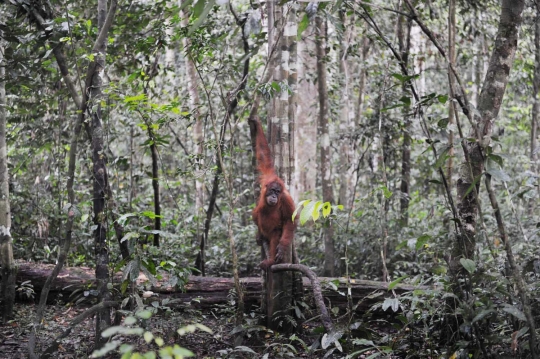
(315, 285)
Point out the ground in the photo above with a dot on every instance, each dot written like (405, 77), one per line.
(255, 342)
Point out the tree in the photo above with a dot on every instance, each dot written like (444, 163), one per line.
(9, 268)
(324, 141)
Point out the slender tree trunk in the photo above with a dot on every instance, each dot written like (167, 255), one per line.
(346, 123)
(324, 140)
(488, 108)
(366, 44)
(282, 32)
(306, 133)
(103, 318)
(198, 136)
(452, 59)
(404, 39)
(9, 268)
(283, 105)
(155, 186)
(536, 86)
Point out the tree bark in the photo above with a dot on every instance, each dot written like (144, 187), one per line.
(9, 269)
(452, 60)
(100, 180)
(306, 133)
(280, 133)
(198, 135)
(324, 141)
(346, 121)
(488, 108)
(536, 86)
(404, 40)
(155, 185)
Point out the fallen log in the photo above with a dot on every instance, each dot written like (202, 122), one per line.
(204, 292)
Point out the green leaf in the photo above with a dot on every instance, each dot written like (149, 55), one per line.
(105, 349)
(482, 315)
(515, 312)
(305, 215)
(442, 158)
(198, 8)
(136, 98)
(393, 284)
(203, 16)
(496, 158)
(442, 98)
(302, 25)
(421, 241)
(499, 174)
(386, 192)
(406, 100)
(300, 204)
(468, 264)
(327, 209)
(144, 314)
(185, 3)
(316, 211)
(391, 303)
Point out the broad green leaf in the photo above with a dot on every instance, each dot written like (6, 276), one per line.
(327, 209)
(421, 241)
(482, 315)
(393, 284)
(515, 312)
(317, 211)
(499, 174)
(442, 158)
(496, 158)
(198, 8)
(148, 336)
(136, 98)
(144, 314)
(203, 16)
(386, 192)
(391, 303)
(108, 347)
(468, 264)
(302, 25)
(300, 204)
(442, 98)
(305, 215)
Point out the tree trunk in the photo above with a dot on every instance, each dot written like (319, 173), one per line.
(283, 106)
(536, 86)
(282, 39)
(103, 318)
(488, 108)
(9, 269)
(155, 185)
(404, 39)
(209, 290)
(306, 133)
(366, 44)
(346, 122)
(324, 140)
(452, 59)
(198, 137)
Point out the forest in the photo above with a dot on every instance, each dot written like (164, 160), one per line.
(269, 179)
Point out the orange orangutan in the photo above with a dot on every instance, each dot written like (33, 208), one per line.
(274, 210)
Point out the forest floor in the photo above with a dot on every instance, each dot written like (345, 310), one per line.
(222, 343)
